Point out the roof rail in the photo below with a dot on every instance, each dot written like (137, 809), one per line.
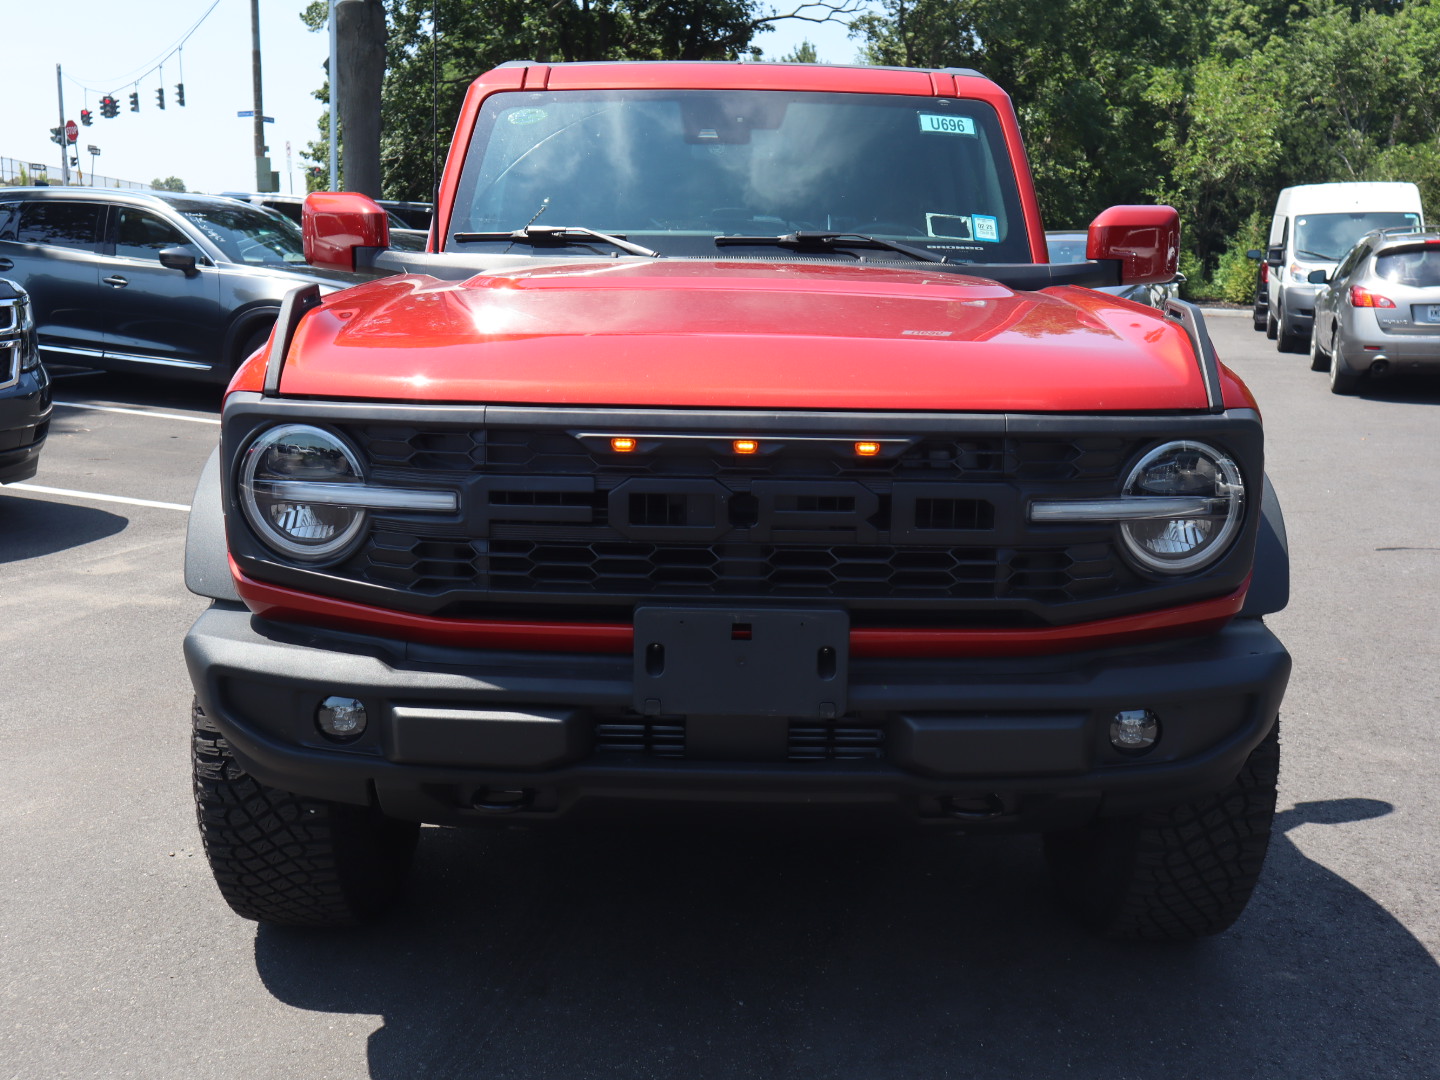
(961, 71)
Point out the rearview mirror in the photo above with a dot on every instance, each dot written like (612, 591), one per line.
(1253, 253)
(1275, 256)
(1317, 277)
(1145, 240)
(178, 258)
(336, 224)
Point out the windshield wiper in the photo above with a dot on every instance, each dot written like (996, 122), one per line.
(815, 238)
(556, 234)
(1315, 255)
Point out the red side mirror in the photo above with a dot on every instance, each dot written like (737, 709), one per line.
(335, 223)
(1145, 240)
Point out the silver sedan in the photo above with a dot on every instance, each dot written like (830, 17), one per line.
(1379, 312)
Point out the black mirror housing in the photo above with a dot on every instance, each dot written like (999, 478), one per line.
(1275, 256)
(1317, 277)
(1253, 253)
(178, 258)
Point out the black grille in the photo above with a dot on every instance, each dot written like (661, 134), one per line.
(627, 568)
(641, 735)
(836, 742)
(559, 453)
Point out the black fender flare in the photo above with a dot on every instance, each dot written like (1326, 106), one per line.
(207, 557)
(1270, 585)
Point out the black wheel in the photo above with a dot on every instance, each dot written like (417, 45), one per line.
(1272, 328)
(1285, 339)
(286, 859)
(1342, 379)
(1177, 873)
(1319, 359)
(248, 344)
(1260, 317)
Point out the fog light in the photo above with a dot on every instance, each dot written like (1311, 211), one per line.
(1134, 729)
(341, 718)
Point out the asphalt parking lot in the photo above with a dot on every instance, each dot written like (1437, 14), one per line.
(670, 954)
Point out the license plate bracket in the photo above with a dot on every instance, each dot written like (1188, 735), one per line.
(1426, 314)
(741, 661)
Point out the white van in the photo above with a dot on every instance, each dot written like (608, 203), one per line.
(1314, 226)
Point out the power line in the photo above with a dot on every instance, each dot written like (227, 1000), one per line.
(154, 65)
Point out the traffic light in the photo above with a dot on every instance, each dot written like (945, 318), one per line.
(85, 117)
(160, 96)
(109, 107)
(57, 136)
(135, 101)
(180, 93)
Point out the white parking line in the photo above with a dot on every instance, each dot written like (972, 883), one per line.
(95, 496)
(140, 412)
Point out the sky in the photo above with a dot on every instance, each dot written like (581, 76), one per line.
(104, 46)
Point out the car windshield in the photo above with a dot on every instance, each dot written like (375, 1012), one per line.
(1066, 249)
(673, 169)
(247, 234)
(1327, 237)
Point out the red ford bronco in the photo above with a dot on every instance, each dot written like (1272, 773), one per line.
(733, 444)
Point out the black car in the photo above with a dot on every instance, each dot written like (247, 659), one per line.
(187, 285)
(24, 388)
(402, 235)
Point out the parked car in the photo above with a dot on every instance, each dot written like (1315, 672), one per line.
(24, 388)
(1380, 311)
(1260, 313)
(1069, 247)
(416, 215)
(149, 281)
(402, 234)
(1313, 227)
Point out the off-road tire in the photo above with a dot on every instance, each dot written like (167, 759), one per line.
(1176, 873)
(1272, 328)
(1319, 359)
(1285, 341)
(1342, 379)
(287, 859)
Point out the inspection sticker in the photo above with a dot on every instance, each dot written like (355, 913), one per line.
(525, 116)
(985, 227)
(947, 125)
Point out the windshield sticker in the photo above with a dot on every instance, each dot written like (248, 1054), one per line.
(525, 116)
(947, 125)
(949, 226)
(985, 227)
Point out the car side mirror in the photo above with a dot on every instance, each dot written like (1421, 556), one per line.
(1317, 277)
(178, 258)
(1144, 240)
(337, 224)
(1253, 253)
(1275, 256)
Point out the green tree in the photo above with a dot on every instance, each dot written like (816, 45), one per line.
(170, 183)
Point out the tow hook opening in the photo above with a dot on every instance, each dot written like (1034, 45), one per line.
(973, 807)
(490, 800)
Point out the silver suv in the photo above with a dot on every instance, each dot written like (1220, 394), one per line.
(1380, 310)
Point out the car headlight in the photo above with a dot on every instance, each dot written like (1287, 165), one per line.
(293, 480)
(1207, 498)
(1179, 511)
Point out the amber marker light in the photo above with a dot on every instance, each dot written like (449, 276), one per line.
(622, 445)
(867, 449)
(745, 446)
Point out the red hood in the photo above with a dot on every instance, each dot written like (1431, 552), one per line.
(780, 335)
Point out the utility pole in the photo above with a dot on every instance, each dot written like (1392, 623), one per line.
(263, 180)
(64, 145)
(334, 102)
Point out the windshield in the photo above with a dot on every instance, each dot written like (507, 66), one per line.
(247, 234)
(1066, 247)
(673, 169)
(1327, 237)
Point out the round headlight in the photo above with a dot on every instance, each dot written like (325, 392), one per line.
(1184, 541)
(278, 468)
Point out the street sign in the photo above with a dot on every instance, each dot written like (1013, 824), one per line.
(251, 112)
(72, 131)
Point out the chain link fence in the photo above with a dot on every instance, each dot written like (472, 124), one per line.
(17, 173)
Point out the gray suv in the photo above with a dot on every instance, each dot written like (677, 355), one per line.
(1379, 312)
(155, 283)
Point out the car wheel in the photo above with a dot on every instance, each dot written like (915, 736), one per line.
(1260, 317)
(1319, 361)
(1272, 328)
(1177, 873)
(287, 859)
(1342, 379)
(253, 340)
(1285, 340)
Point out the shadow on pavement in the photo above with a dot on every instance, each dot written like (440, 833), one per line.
(31, 527)
(101, 387)
(800, 954)
(1404, 389)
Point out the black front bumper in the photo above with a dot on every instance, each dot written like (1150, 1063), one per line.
(462, 735)
(24, 422)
